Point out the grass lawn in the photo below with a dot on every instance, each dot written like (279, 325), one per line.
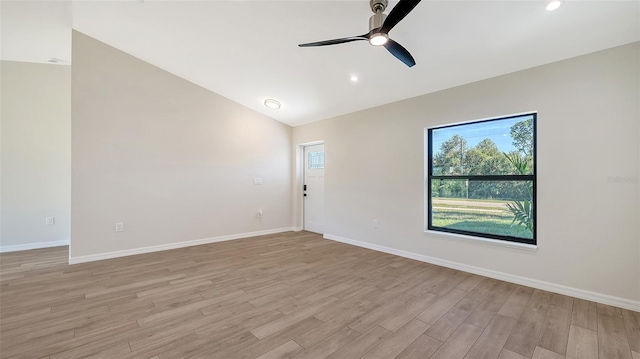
(477, 221)
(464, 206)
(501, 201)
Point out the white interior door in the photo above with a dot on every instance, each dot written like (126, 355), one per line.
(313, 187)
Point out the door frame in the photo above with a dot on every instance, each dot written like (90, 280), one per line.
(299, 199)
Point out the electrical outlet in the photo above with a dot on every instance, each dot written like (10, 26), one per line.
(50, 221)
(375, 223)
(257, 181)
(120, 227)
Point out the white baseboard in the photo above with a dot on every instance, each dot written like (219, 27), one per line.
(164, 247)
(529, 282)
(28, 246)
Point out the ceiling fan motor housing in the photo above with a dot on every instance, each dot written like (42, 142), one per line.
(378, 7)
(376, 21)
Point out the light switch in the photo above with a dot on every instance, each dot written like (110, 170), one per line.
(257, 180)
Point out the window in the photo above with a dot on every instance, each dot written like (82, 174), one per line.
(481, 178)
(316, 160)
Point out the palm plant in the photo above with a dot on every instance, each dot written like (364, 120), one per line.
(522, 211)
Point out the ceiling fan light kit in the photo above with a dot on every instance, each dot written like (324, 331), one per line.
(379, 27)
(271, 103)
(378, 39)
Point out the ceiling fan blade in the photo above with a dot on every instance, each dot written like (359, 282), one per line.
(336, 41)
(402, 9)
(400, 52)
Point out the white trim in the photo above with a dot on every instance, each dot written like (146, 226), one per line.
(164, 247)
(495, 242)
(534, 283)
(28, 246)
(312, 143)
(297, 229)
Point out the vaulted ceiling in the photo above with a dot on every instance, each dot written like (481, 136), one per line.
(247, 50)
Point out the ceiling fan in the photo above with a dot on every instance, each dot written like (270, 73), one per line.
(379, 27)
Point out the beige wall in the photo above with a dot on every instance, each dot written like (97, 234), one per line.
(588, 130)
(35, 154)
(173, 161)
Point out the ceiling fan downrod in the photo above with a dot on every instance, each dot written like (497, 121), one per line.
(377, 20)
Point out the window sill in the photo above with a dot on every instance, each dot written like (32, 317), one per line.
(480, 240)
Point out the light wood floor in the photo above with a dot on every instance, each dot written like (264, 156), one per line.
(291, 295)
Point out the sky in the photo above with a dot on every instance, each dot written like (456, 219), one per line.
(497, 131)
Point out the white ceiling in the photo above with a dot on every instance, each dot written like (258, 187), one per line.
(247, 50)
(34, 31)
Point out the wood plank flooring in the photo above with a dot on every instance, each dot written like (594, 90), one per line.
(289, 295)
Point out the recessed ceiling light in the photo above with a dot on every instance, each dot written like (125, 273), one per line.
(378, 39)
(354, 78)
(271, 103)
(553, 4)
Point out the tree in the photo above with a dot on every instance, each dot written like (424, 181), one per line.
(486, 159)
(450, 158)
(487, 146)
(522, 134)
(522, 210)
